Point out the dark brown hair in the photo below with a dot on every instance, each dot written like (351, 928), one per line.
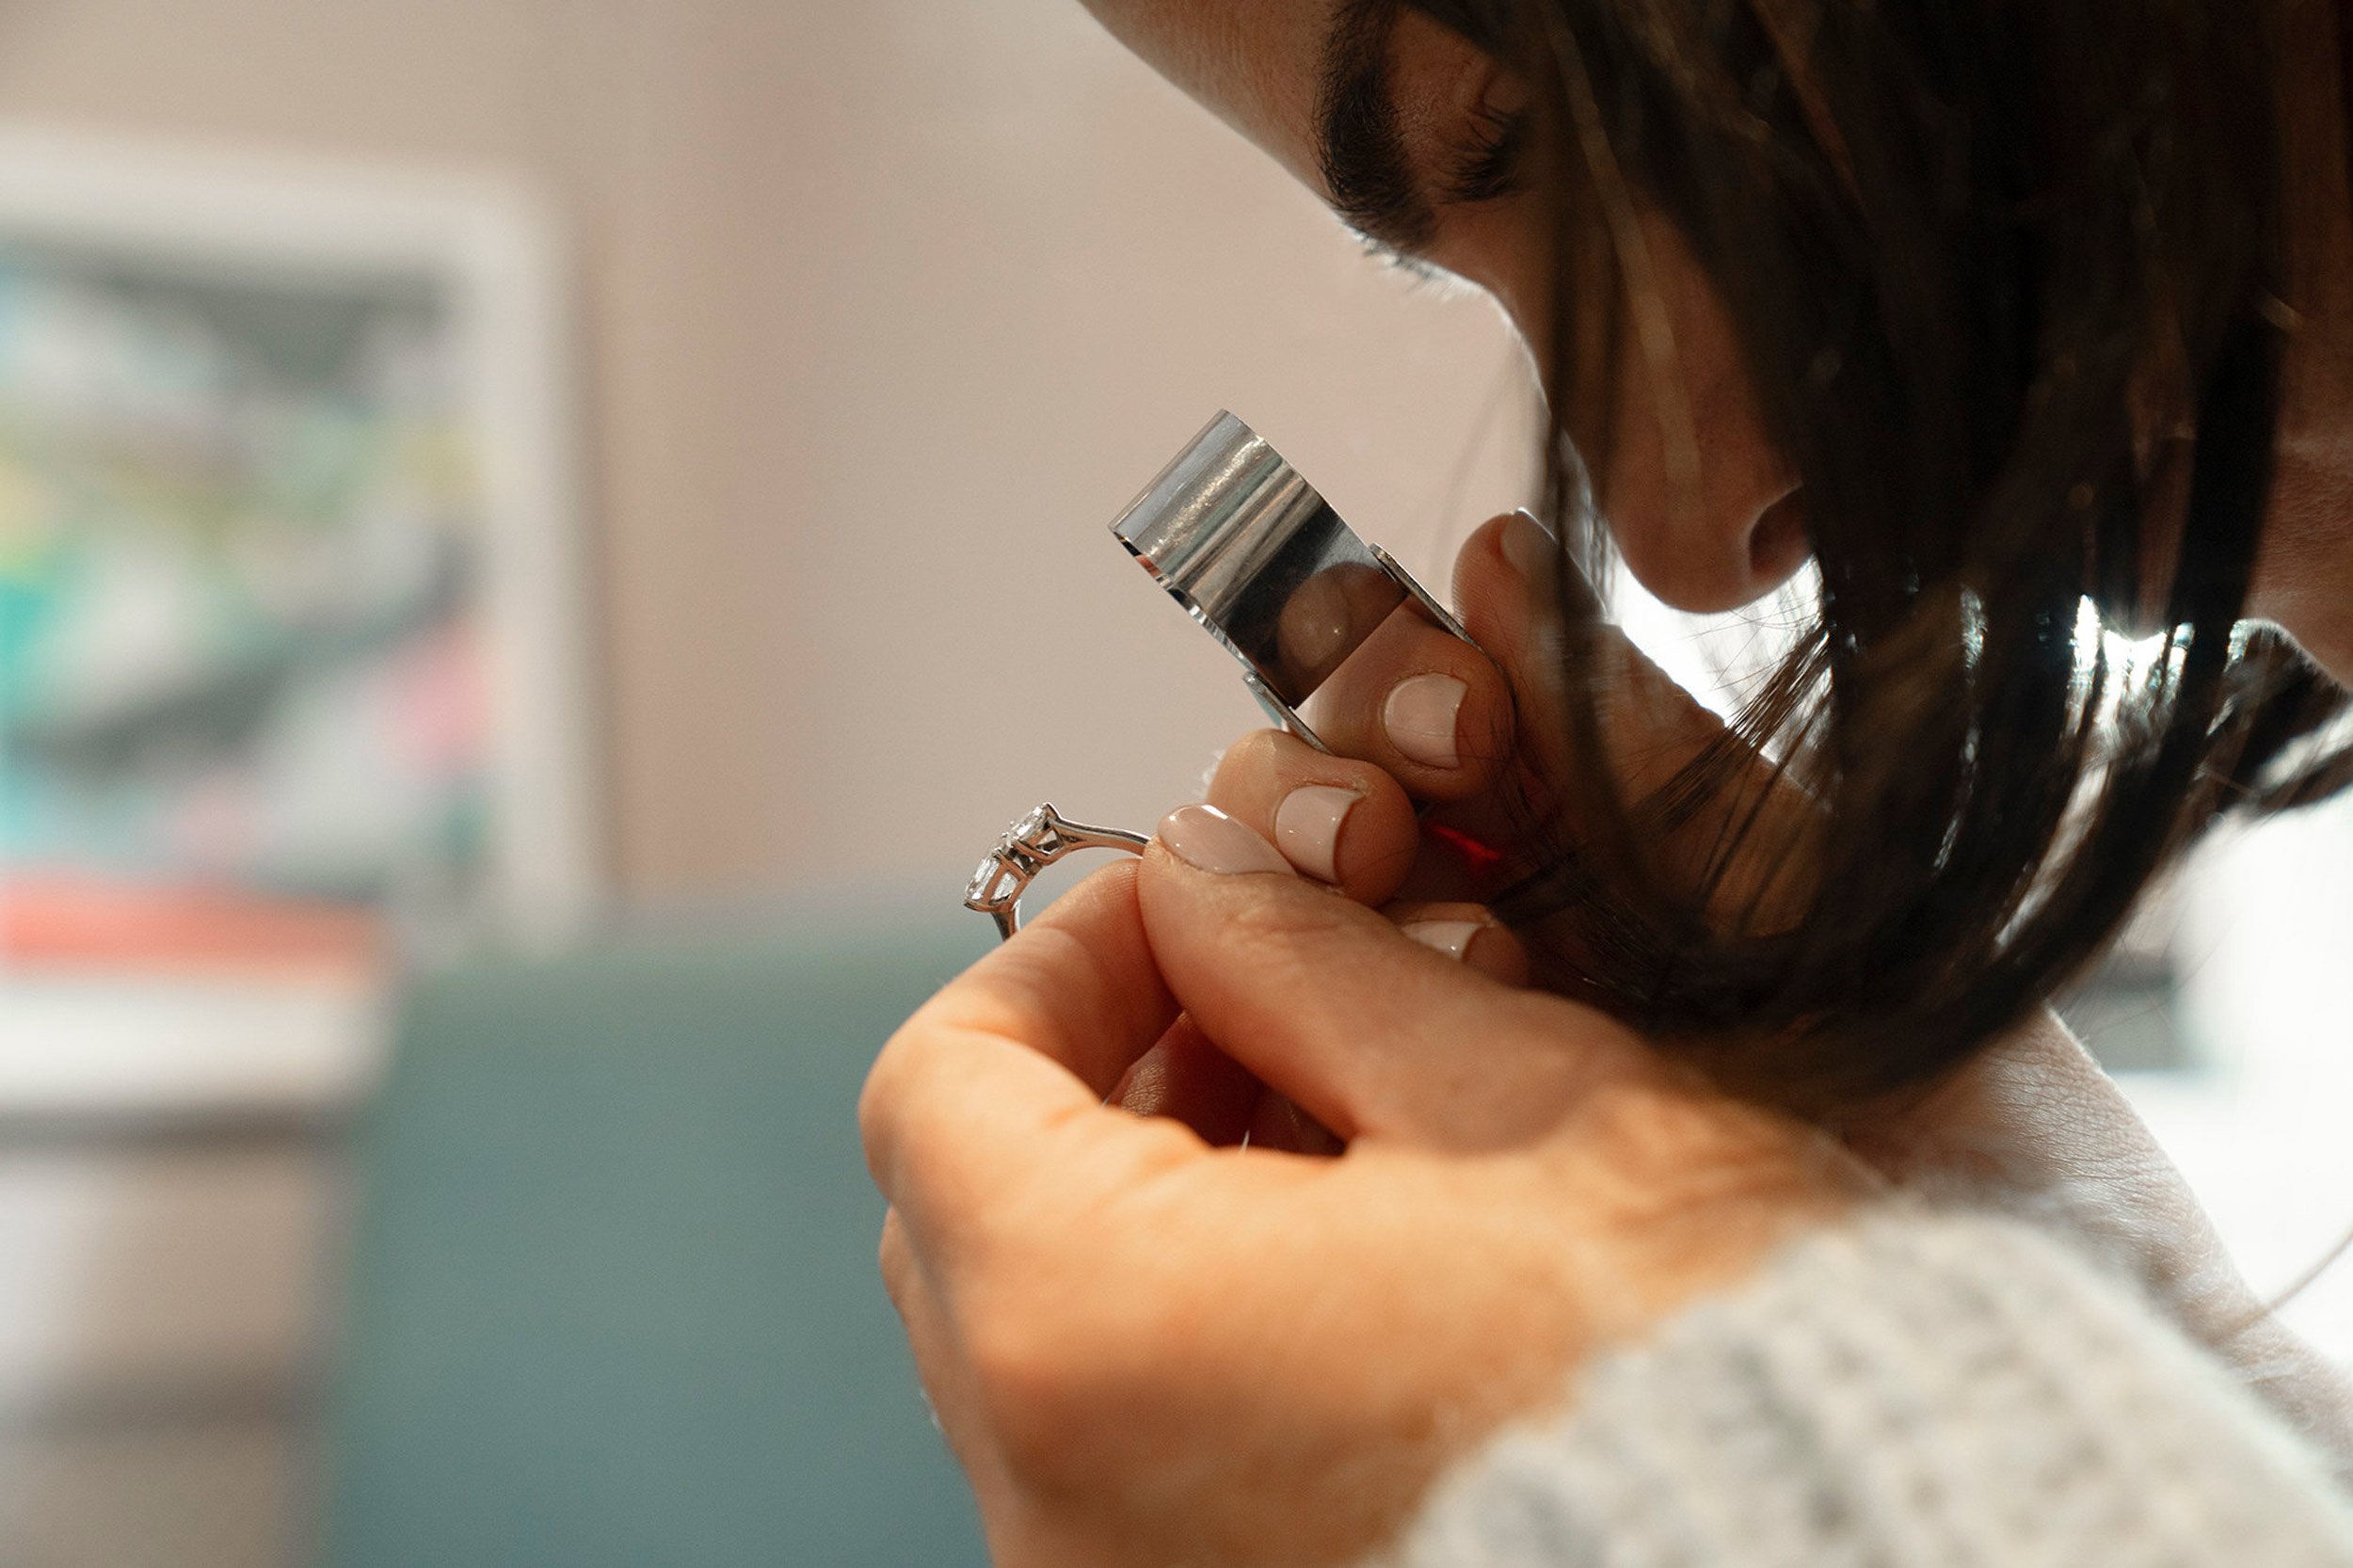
(1960, 243)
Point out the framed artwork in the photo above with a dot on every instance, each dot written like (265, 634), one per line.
(291, 651)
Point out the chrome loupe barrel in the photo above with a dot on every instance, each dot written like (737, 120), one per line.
(1259, 558)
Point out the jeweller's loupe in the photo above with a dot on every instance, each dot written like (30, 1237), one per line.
(1251, 550)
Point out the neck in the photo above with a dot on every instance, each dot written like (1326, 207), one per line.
(2304, 575)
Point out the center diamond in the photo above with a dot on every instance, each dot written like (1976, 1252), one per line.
(993, 883)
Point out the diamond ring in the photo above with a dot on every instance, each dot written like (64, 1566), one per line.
(1029, 846)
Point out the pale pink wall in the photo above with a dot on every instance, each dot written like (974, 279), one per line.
(887, 307)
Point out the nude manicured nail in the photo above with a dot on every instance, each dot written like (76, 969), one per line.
(1307, 827)
(1452, 937)
(1207, 838)
(1535, 554)
(1530, 548)
(1420, 717)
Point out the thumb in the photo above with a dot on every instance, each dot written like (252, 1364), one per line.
(1364, 1028)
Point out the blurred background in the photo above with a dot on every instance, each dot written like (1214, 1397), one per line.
(538, 542)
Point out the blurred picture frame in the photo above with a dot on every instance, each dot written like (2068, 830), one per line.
(294, 664)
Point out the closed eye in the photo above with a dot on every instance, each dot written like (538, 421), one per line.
(1389, 191)
(1488, 164)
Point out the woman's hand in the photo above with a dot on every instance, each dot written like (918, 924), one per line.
(1147, 1347)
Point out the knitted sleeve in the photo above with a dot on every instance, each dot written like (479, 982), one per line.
(1912, 1390)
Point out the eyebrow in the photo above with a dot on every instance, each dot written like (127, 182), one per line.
(1358, 149)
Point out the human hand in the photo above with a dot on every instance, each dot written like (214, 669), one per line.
(1148, 1349)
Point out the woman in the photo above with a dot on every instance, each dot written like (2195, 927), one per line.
(1774, 1221)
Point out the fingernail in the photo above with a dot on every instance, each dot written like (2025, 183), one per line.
(1307, 827)
(1530, 548)
(1420, 717)
(1452, 937)
(1535, 554)
(1207, 838)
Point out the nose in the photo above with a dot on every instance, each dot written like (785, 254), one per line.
(1778, 543)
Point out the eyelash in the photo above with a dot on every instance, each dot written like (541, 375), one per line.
(1484, 168)
(1413, 267)
(1487, 165)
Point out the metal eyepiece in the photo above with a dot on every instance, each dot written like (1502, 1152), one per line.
(1253, 553)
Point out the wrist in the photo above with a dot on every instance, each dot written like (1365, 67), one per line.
(1704, 1190)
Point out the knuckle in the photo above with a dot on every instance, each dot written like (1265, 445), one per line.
(883, 1099)
(875, 1098)
(1275, 929)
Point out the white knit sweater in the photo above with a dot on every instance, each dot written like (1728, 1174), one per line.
(1915, 1390)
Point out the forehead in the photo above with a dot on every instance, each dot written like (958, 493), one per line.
(1257, 64)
